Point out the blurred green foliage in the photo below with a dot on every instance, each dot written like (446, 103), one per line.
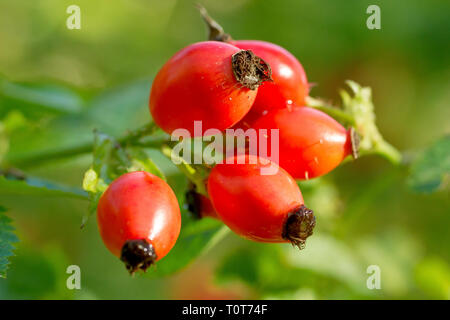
(7, 238)
(431, 169)
(57, 85)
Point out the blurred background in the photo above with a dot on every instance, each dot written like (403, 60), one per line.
(57, 85)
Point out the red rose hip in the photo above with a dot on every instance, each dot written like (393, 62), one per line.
(311, 143)
(289, 85)
(139, 219)
(260, 207)
(211, 81)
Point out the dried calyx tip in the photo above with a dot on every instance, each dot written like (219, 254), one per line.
(299, 226)
(137, 254)
(250, 70)
(354, 139)
(193, 203)
(216, 31)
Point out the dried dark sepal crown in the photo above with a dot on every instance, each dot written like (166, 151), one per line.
(354, 139)
(299, 226)
(250, 70)
(137, 254)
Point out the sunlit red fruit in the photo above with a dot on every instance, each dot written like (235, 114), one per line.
(258, 206)
(289, 86)
(311, 143)
(139, 219)
(213, 82)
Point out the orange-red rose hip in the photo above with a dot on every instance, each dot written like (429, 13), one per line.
(139, 219)
(311, 143)
(289, 85)
(259, 206)
(211, 81)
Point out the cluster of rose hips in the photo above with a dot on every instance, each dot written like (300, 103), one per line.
(228, 83)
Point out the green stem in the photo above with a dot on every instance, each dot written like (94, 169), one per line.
(151, 144)
(380, 146)
(216, 31)
(387, 151)
(334, 112)
(137, 134)
(337, 114)
(132, 137)
(189, 171)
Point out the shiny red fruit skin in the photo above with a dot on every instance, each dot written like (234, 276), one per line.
(198, 83)
(254, 206)
(289, 85)
(311, 143)
(139, 205)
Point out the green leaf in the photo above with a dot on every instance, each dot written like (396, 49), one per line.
(51, 98)
(4, 142)
(14, 120)
(431, 168)
(7, 238)
(90, 180)
(258, 266)
(37, 273)
(196, 237)
(69, 135)
(395, 252)
(142, 162)
(268, 269)
(320, 251)
(93, 183)
(433, 276)
(114, 110)
(38, 187)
